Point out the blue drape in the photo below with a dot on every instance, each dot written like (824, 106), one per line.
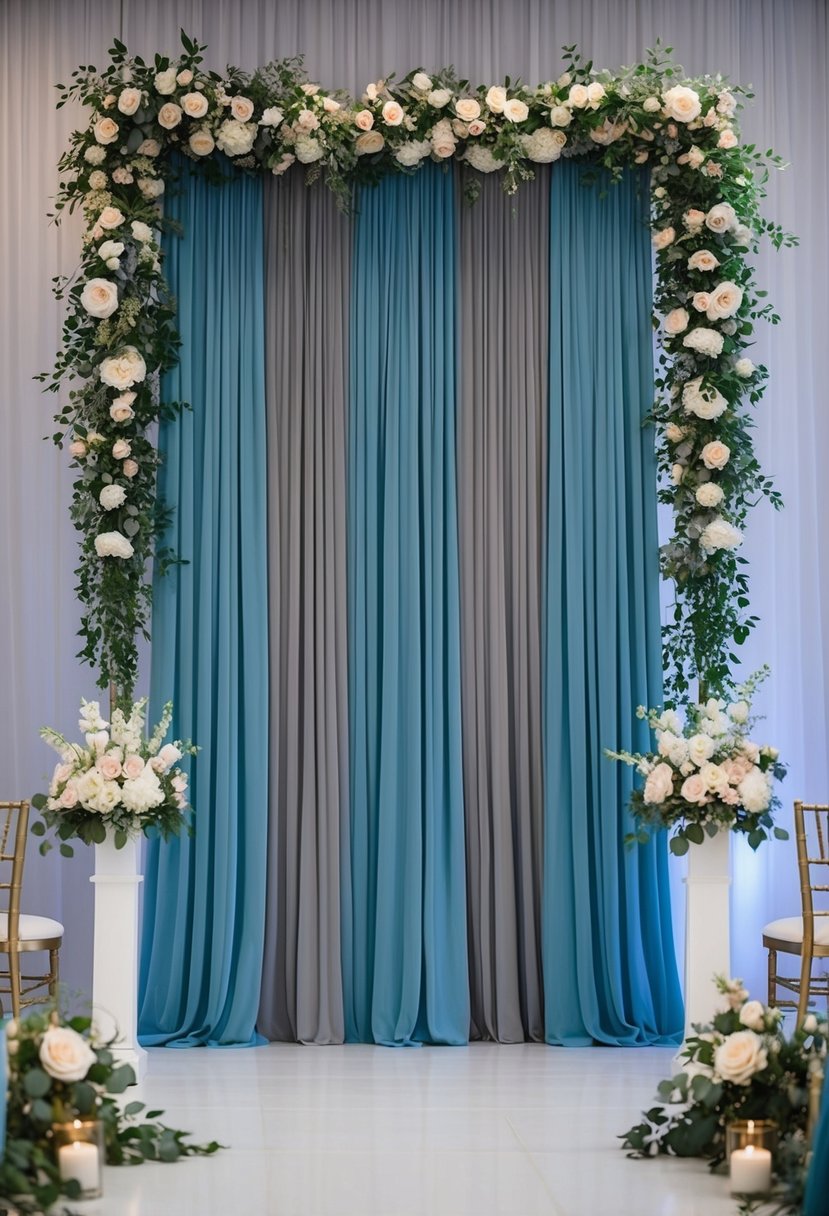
(204, 900)
(404, 922)
(609, 968)
(817, 1183)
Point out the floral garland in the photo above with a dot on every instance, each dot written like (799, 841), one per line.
(740, 1066)
(119, 334)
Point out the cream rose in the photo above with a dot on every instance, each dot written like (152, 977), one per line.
(141, 231)
(113, 544)
(674, 433)
(242, 109)
(330, 105)
(130, 468)
(129, 100)
(659, 785)
(100, 298)
(753, 1015)
(477, 126)
(184, 77)
(364, 119)
(726, 104)
(165, 82)
(169, 115)
(721, 218)
(496, 99)
(664, 238)
(110, 218)
(201, 142)
(194, 105)
(121, 449)
(515, 110)
(120, 411)
(422, 82)
(467, 109)
(681, 103)
(149, 147)
(693, 219)
(651, 104)
(443, 140)
(272, 117)
(694, 789)
(715, 455)
(709, 494)
(368, 143)
(676, 321)
(439, 98)
(725, 301)
(65, 1055)
(392, 114)
(106, 131)
(560, 116)
(703, 259)
(700, 749)
(595, 94)
(578, 97)
(123, 370)
(306, 122)
(727, 139)
(701, 301)
(740, 1056)
(77, 449)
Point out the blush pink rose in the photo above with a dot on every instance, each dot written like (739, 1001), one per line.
(133, 767)
(130, 468)
(69, 797)
(694, 788)
(109, 766)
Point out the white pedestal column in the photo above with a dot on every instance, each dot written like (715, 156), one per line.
(115, 965)
(707, 925)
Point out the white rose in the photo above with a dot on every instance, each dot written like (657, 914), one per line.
(368, 143)
(201, 142)
(715, 455)
(194, 105)
(709, 494)
(330, 105)
(676, 321)
(242, 109)
(151, 187)
(754, 791)
(578, 97)
(595, 93)
(467, 108)
(165, 82)
(664, 238)
(744, 368)
(515, 110)
(112, 497)
(560, 116)
(306, 122)
(740, 1056)
(706, 403)
(423, 83)
(184, 77)
(720, 534)
(149, 147)
(236, 138)
(443, 139)
(106, 131)
(543, 146)
(481, 158)
(714, 777)
(725, 301)
(439, 98)
(651, 104)
(110, 218)
(271, 117)
(141, 231)
(392, 114)
(65, 1055)
(669, 720)
(123, 370)
(678, 755)
(704, 341)
(681, 103)
(659, 785)
(113, 544)
(753, 1016)
(742, 236)
(99, 296)
(496, 99)
(129, 101)
(721, 218)
(169, 115)
(308, 150)
(738, 712)
(700, 749)
(168, 755)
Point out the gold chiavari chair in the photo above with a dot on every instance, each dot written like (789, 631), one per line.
(20, 933)
(807, 935)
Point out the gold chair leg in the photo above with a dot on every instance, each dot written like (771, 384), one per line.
(54, 974)
(772, 1001)
(14, 982)
(805, 983)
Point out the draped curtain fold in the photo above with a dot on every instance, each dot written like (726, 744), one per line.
(204, 902)
(404, 922)
(609, 967)
(307, 258)
(501, 500)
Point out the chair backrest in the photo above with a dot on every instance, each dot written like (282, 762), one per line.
(14, 826)
(811, 824)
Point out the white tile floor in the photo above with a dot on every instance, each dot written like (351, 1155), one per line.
(372, 1131)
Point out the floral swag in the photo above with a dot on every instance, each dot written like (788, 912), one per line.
(119, 335)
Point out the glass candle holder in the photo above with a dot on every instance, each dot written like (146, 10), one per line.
(80, 1154)
(759, 1133)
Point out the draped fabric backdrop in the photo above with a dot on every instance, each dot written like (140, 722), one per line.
(756, 41)
(204, 908)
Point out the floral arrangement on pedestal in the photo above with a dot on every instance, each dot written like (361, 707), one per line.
(58, 1072)
(740, 1066)
(119, 335)
(706, 774)
(120, 781)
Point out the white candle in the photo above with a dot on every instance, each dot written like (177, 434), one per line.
(750, 1170)
(79, 1160)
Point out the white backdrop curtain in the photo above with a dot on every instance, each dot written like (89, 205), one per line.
(780, 46)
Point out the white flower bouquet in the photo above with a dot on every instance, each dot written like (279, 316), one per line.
(706, 774)
(118, 780)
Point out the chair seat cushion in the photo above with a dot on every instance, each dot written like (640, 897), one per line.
(790, 929)
(31, 928)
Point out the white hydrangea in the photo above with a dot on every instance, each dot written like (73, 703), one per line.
(481, 158)
(754, 791)
(720, 534)
(544, 145)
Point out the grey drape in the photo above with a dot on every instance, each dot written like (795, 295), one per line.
(501, 479)
(308, 279)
